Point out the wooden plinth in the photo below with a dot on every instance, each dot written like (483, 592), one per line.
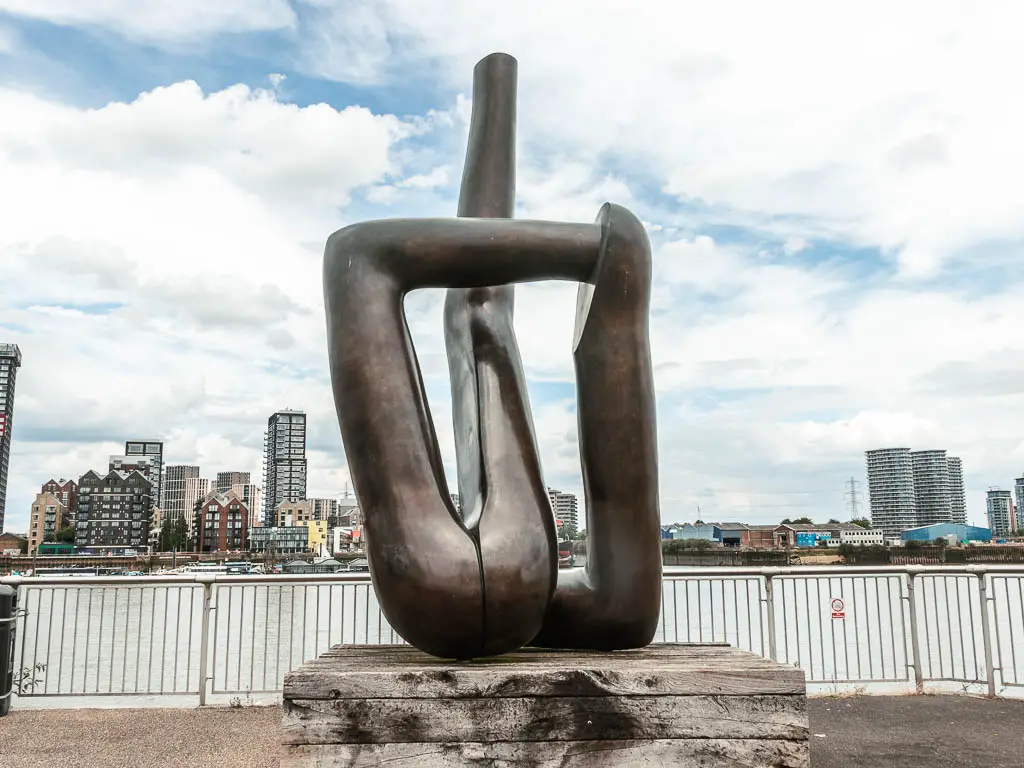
(665, 705)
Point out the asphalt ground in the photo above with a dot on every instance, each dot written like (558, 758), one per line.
(916, 732)
(846, 732)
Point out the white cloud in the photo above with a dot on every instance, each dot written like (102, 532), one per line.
(163, 256)
(156, 20)
(390, 193)
(886, 126)
(794, 245)
(344, 41)
(247, 137)
(8, 39)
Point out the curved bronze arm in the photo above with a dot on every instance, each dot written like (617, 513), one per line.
(426, 569)
(614, 602)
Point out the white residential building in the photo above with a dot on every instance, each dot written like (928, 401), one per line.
(1018, 486)
(564, 506)
(910, 489)
(931, 487)
(999, 506)
(891, 490)
(174, 482)
(196, 489)
(957, 494)
(861, 536)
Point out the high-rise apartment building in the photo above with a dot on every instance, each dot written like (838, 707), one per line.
(154, 450)
(67, 492)
(910, 489)
(564, 506)
(931, 487)
(113, 509)
(957, 494)
(999, 506)
(47, 517)
(284, 461)
(227, 479)
(175, 480)
(1018, 487)
(10, 361)
(891, 490)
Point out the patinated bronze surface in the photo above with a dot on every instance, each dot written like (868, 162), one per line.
(485, 581)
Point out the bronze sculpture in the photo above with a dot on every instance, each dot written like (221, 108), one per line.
(486, 582)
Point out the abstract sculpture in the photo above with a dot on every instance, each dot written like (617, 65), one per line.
(486, 581)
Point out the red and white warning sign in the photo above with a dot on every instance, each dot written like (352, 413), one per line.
(838, 608)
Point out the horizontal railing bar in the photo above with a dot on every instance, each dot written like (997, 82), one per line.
(112, 694)
(690, 572)
(197, 579)
(678, 572)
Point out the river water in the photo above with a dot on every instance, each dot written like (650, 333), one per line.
(145, 639)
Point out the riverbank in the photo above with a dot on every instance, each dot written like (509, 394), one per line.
(846, 732)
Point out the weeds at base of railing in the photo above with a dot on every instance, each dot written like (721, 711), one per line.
(857, 690)
(29, 678)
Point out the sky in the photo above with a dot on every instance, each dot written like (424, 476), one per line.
(833, 193)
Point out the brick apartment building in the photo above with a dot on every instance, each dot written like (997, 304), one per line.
(66, 491)
(222, 523)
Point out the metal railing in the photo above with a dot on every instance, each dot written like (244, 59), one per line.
(208, 637)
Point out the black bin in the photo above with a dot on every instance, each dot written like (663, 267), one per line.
(8, 621)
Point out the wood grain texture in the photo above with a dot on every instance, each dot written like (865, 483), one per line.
(692, 753)
(383, 721)
(357, 672)
(659, 706)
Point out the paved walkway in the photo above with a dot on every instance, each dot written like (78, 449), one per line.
(916, 732)
(875, 731)
(141, 738)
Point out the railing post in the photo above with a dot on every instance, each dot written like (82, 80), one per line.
(986, 633)
(915, 642)
(8, 633)
(207, 580)
(769, 594)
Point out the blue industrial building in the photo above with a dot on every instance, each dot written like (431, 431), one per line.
(963, 533)
(812, 538)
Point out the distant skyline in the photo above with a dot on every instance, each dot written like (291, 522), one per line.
(832, 203)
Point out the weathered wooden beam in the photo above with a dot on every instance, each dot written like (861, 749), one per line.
(357, 672)
(664, 705)
(692, 753)
(383, 721)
